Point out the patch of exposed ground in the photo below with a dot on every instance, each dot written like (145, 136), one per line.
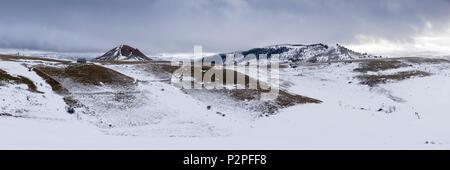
(374, 80)
(285, 100)
(56, 86)
(7, 78)
(379, 65)
(86, 74)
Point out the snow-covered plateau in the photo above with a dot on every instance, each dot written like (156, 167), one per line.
(349, 103)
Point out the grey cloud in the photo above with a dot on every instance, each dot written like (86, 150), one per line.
(218, 25)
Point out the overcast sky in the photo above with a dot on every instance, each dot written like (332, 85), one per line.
(378, 26)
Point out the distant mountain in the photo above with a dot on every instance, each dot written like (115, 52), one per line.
(299, 53)
(123, 53)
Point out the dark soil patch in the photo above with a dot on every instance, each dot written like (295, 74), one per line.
(373, 80)
(379, 65)
(88, 74)
(5, 77)
(286, 99)
(56, 86)
(244, 94)
(283, 100)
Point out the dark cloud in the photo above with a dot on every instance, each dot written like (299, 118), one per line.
(218, 25)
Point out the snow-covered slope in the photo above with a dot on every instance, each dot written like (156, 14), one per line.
(293, 54)
(123, 53)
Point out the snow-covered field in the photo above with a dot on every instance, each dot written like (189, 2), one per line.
(407, 114)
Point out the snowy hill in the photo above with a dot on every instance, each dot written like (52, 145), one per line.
(299, 53)
(123, 53)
